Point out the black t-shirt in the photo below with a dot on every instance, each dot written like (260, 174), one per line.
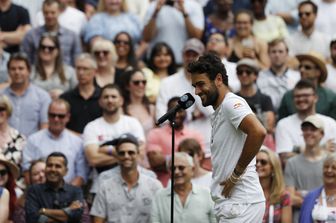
(259, 101)
(11, 19)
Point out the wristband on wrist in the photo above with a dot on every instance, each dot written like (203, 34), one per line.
(109, 150)
(185, 15)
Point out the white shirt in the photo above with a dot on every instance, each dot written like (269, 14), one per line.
(331, 78)
(231, 71)
(326, 21)
(227, 143)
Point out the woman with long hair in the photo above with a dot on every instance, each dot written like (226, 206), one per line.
(278, 204)
(49, 72)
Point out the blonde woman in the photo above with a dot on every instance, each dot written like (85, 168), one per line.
(106, 57)
(278, 204)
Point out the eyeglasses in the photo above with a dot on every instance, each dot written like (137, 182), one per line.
(54, 115)
(138, 82)
(119, 42)
(301, 14)
(3, 172)
(262, 162)
(180, 168)
(99, 52)
(240, 72)
(2, 109)
(303, 95)
(306, 67)
(123, 153)
(48, 48)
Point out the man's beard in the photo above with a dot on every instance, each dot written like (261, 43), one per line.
(110, 112)
(211, 97)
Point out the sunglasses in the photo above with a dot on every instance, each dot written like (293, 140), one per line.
(47, 48)
(301, 14)
(138, 82)
(240, 72)
(54, 115)
(303, 95)
(119, 42)
(2, 109)
(101, 52)
(123, 153)
(3, 172)
(306, 67)
(262, 162)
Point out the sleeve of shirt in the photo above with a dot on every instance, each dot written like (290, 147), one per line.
(45, 102)
(267, 104)
(89, 135)
(28, 154)
(24, 16)
(149, 12)
(75, 216)
(196, 14)
(76, 48)
(93, 28)
(32, 206)
(28, 46)
(237, 109)
(99, 206)
(282, 139)
(81, 165)
(289, 173)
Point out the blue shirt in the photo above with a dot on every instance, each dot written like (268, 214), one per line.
(42, 143)
(4, 57)
(44, 196)
(30, 110)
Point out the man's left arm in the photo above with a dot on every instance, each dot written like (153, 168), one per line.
(256, 133)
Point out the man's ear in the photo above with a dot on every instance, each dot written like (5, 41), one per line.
(218, 80)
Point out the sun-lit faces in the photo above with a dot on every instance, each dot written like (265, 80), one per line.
(205, 89)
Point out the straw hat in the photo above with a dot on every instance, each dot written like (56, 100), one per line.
(318, 60)
(13, 168)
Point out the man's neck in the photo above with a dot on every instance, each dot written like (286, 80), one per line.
(53, 28)
(308, 31)
(112, 118)
(248, 91)
(4, 5)
(304, 114)
(86, 90)
(183, 189)
(55, 134)
(19, 89)
(279, 70)
(313, 153)
(130, 176)
(56, 185)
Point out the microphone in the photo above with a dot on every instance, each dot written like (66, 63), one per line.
(184, 102)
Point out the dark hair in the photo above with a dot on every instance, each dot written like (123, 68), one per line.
(314, 6)
(60, 101)
(58, 69)
(131, 59)
(171, 100)
(211, 65)
(127, 76)
(50, 2)
(110, 86)
(305, 83)
(243, 11)
(276, 42)
(157, 48)
(10, 186)
(58, 154)
(190, 144)
(20, 56)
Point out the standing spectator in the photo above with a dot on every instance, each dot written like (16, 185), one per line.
(133, 192)
(244, 44)
(50, 72)
(106, 58)
(331, 67)
(54, 200)
(162, 62)
(84, 98)
(276, 80)
(30, 103)
(278, 203)
(4, 204)
(138, 7)
(14, 23)
(58, 139)
(192, 203)
(185, 18)
(69, 41)
(298, 180)
(112, 12)
(308, 38)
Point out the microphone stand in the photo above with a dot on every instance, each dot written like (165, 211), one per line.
(173, 125)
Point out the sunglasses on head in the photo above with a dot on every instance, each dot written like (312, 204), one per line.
(49, 48)
(301, 14)
(3, 172)
(2, 109)
(138, 82)
(262, 162)
(119, 42)
(99, 52)
(54, 115)
(244, 71)
(123, 153)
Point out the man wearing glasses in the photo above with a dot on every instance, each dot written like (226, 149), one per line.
(127, 195)
(58, 139)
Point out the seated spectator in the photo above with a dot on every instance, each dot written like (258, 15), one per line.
(278, 203)
(312, 67)
(162, 62)
(244, 44)
(4, 57)
(134, 203)
(58, 139)
(9, 172)
(185, 18)
(298, 180)
(4, 204)
(330, 83)
(201, 177)
(126, 56)
(159, 142)
(112, 13)
(319, 204)
(84, 98)
(106, 58)
(54, 200)
(267, 27)
(191, 201)
(136, 103)
(49, 72)
(14, 23)
(30, 103)
(69, 41)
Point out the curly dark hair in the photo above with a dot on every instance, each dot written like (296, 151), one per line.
(157, 48)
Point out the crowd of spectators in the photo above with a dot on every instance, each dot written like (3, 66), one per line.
(82, 83)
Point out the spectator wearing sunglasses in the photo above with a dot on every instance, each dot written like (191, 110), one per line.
(136, 103)
(261, 104)
(58, 139)
(130, 200)
(278, 203)
(50, 72)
